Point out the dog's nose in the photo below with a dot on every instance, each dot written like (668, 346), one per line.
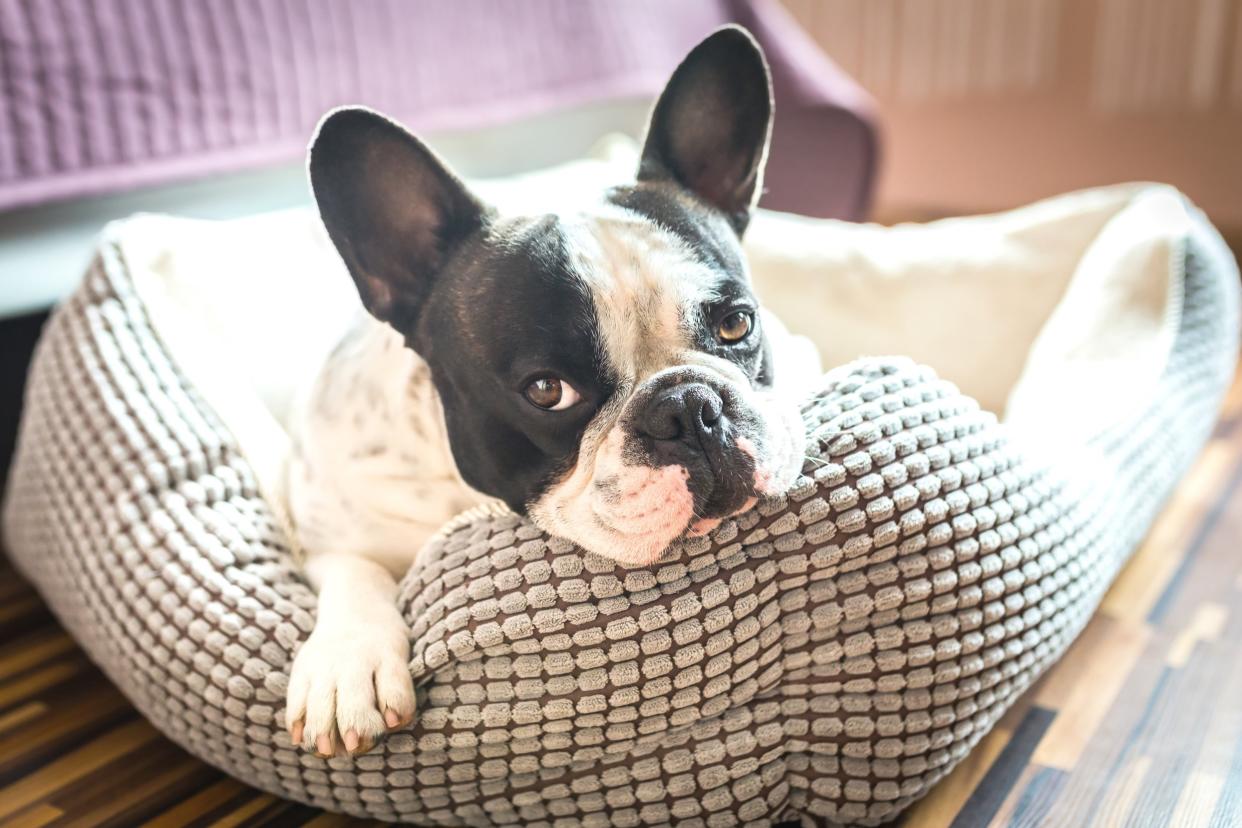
(690, 410)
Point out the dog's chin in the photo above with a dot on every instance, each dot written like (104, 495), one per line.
(639, 513)
(631, 517)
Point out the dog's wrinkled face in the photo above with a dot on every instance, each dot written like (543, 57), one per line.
(615, 379)
(605, 371)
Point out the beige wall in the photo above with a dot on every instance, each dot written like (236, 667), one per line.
(989, 103)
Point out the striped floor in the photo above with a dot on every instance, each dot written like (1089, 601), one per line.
(1140, 724)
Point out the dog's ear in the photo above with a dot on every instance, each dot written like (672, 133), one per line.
(709, 130)
(391, 206)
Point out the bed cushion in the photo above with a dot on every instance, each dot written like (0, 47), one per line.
(829, 655)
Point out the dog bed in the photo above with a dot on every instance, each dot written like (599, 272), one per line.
(827, 656)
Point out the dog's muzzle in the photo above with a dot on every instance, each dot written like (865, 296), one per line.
(702, 426)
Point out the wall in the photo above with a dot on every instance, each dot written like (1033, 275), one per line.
(990, 103)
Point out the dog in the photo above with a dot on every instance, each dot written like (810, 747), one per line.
(607, 372)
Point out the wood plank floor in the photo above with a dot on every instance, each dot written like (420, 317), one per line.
(1140, 724)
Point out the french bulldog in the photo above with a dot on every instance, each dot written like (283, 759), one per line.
(607, 372)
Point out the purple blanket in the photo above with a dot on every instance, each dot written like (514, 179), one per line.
(98, 97)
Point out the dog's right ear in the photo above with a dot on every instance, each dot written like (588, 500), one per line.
(391, 206)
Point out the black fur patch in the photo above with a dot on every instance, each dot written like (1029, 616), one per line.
(507, 308)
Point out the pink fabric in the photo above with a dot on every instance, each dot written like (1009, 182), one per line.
(98, 97)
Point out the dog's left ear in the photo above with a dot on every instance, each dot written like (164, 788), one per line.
(709, 130)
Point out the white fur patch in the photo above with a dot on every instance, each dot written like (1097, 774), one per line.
(642, 280)
(371, 472)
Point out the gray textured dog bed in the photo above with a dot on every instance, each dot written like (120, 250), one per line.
(830, 655)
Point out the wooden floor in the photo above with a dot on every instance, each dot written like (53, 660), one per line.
(1140, 724)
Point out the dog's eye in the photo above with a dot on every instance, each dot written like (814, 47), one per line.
(735, 327)
(551, 394)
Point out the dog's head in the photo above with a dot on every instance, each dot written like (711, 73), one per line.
(606, 372)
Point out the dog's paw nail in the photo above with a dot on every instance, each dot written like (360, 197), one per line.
(703, 526)
(350, 692)
(295, 732)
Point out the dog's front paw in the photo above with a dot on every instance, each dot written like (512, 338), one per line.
(349, 685)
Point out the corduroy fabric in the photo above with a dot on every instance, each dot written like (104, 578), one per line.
(830, 655)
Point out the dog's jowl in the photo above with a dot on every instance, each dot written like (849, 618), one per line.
(607, 372)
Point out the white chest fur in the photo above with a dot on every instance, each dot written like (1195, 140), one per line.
(371, 472)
